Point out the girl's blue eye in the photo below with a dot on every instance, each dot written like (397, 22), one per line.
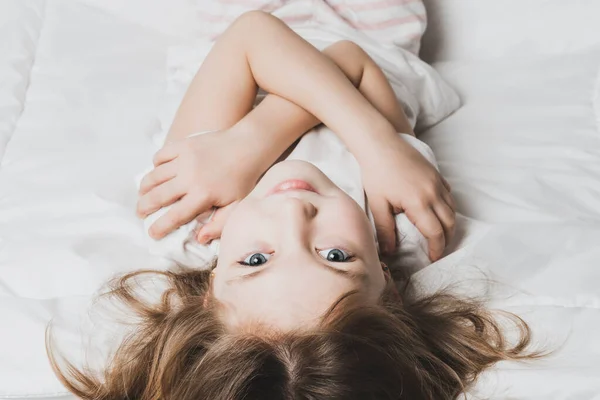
(335, 255)
(256, 259)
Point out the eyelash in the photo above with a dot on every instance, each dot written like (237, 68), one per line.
(245, 264)
(351, 256)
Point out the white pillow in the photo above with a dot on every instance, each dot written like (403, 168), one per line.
(479, 29)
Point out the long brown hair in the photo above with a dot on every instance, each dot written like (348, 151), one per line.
(404, 348)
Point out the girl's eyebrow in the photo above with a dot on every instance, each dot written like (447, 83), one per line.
(359, 276)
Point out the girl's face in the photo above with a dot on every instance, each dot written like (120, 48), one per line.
(291, 248)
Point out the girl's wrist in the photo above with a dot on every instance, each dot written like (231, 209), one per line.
(372, 144)
(256, 149)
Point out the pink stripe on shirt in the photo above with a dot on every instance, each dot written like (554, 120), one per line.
(373, 5)
(388, 23)
(253, 4)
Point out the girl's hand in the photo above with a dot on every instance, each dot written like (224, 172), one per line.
(213, 228)
(197, 173)
(397, 178)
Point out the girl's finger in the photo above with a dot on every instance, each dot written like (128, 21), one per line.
(158, 176)
(167, 153)
(161, 196)
(446, 184)
(447, 217)
(430, 226)
(449, 199)
(212, 229)
(385, 225)
(180, 214)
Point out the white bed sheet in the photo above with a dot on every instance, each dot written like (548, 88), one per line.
(81, 86)
(523, 154)
(81, 89)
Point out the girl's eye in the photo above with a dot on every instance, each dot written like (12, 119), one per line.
(256, 259)
(335, 255)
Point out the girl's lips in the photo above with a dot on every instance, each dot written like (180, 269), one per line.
(292, 184)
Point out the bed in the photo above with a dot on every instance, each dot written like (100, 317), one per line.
(81, 84)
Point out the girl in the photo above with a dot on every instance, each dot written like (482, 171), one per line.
(298, 304)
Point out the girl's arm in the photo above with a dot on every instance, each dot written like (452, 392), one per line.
(276, 123)
(259, 50)
(217, 102)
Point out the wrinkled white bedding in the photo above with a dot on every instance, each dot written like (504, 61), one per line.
(81, 83)
(523, 154)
